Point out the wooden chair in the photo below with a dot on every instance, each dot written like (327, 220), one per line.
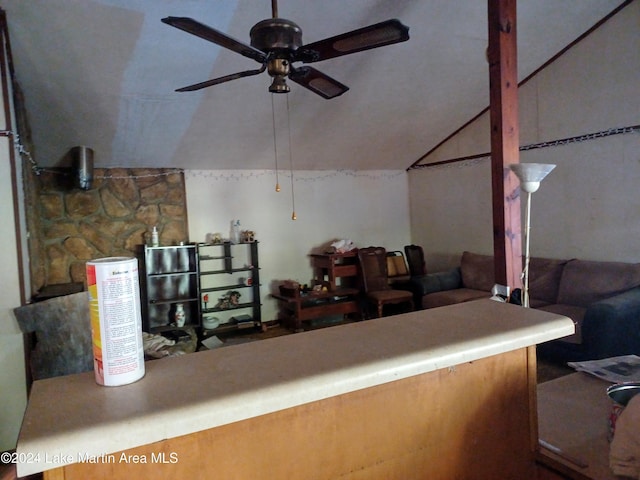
(375, 283)
(415, 259)
(397, 271)
(418, 272)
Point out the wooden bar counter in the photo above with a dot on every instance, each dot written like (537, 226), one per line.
(438, 394)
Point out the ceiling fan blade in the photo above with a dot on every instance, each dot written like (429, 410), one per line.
(201, 30)
(318, 82)
(226, 78)
(373, 36)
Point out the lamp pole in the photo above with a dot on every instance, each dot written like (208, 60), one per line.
(527, 233)
(530, 176)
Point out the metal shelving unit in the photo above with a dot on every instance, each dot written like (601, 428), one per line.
(226, 269)
(169, 276)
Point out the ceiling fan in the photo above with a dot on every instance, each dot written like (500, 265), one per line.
(276, 43)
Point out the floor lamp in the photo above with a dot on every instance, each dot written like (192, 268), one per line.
(530, 176)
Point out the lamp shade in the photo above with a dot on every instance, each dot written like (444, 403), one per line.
(531, 174)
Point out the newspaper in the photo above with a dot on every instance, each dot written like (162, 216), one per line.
(625, 368)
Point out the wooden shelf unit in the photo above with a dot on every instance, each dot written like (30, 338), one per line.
(334, 267)
(338, 272)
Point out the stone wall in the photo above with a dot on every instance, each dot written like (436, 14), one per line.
(110, 219)
(68, 226)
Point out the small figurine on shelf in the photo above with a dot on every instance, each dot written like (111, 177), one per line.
(213, 238)
(230, 299)
(223, 302)
(179, 316)
(234, 298)
(205, 299)
(248, 236)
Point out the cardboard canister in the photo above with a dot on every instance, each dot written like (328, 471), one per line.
(620, 394)
(116, 321)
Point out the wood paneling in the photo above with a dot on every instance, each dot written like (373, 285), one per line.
(469, 421)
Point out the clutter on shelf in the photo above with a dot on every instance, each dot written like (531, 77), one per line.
(230, 299)
(342, 246)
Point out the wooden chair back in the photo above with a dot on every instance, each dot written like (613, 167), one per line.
(415, 259)
(373, 268)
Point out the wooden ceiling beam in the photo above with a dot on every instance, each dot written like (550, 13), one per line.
(503, 85)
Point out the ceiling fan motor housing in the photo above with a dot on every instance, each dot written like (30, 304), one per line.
(278, 36)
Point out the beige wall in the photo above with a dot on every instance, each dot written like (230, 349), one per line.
(370, 208)
(12, 377)
(588, 207)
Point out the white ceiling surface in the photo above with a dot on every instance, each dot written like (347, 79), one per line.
(102, 73)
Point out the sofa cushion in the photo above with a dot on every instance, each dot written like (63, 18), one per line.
(477, 271)
(574, 313)
(535, 303)
(544, 279)
(450, 297)
(435, 282)
(584, 282)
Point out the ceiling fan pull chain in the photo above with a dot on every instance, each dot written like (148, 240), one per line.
(293, 197)
(275, 145)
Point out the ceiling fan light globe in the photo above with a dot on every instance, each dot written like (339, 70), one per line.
(279, 85)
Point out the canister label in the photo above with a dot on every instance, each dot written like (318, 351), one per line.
(116, 321)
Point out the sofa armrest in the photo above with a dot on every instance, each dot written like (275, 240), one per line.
(611, 327)
(437, 282)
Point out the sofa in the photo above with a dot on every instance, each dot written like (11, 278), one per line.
(602, 298)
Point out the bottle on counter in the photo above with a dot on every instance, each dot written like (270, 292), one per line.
(235, 231)
(155, 242)
(179, 316)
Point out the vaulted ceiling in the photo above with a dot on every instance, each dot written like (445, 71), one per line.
(102, 73)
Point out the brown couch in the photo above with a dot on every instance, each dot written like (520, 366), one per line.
(602, 298)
